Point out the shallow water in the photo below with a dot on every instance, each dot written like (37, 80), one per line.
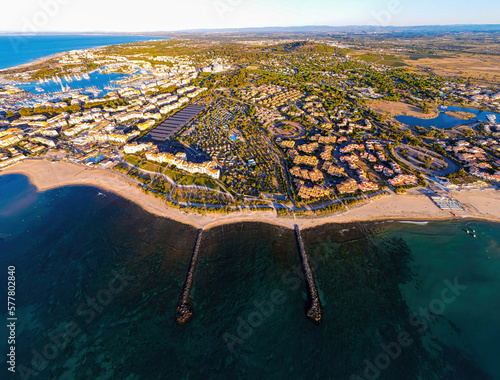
(69, 244)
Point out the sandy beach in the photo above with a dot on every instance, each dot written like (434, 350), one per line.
(37, 61)
(479, 204)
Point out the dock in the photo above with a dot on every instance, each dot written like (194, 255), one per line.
(184, 311)
(313, 310)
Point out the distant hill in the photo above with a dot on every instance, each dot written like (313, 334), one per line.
(308, 29)
(357, 29)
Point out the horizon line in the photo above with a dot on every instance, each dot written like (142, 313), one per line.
(242, 28)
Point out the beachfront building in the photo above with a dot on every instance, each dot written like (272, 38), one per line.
(404, 179)
(209, 167)
(12, 161)
(348, 187)
(137, 148)
(368, 186)
(306, 192)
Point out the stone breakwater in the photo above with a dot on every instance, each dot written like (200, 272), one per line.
(313, 310)
(184, 311)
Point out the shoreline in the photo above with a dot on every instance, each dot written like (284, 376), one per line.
(45, 175)
(45, 58)
(35, 61)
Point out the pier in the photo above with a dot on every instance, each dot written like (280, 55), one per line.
(313, 310)
(184, 310)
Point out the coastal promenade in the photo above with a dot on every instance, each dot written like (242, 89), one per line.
(45, 175)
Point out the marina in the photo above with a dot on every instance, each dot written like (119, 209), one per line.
(94, 83)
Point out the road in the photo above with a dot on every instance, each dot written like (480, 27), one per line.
(451, 167)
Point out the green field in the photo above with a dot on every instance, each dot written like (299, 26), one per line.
(150, 167)
(207, 182)
(188, 180)
(175, 175)
(133, 160)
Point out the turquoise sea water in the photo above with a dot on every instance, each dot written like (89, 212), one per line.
(19, 49)
(98, 280)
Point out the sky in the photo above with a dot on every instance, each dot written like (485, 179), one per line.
(169, 15)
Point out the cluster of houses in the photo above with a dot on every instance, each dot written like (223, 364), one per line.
(346, 167)
(266, 115)
(270, 96)
(10, 157)
(478, 156)
(404, 179)
(99, 121)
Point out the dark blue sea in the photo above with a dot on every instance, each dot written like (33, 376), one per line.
(19, 49)
(98, 279)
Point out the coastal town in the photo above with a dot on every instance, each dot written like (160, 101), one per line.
(302, 127)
